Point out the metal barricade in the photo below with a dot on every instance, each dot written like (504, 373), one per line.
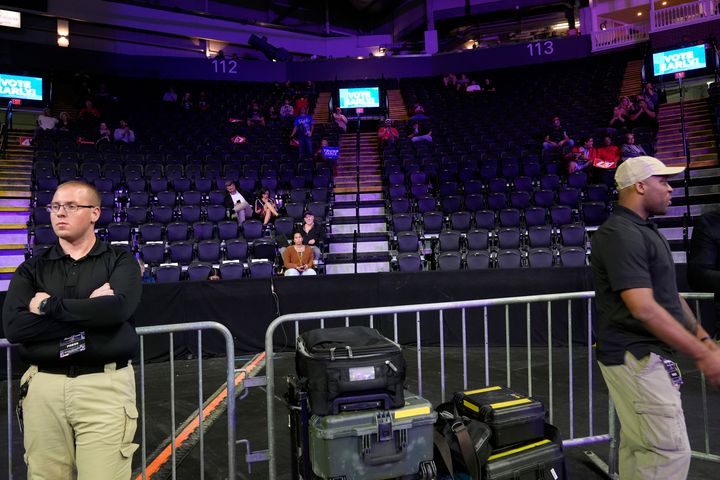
(154, 330)
(464, 308)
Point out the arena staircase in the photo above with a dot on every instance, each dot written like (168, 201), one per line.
(357, 236)
(397, 107)
(632, 80)
(321, 113)
(704, 191)
(15, 195)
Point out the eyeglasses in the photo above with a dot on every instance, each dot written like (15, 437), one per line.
(68, 207)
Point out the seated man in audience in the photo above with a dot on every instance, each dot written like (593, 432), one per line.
(608, 155)
(313, 233)
(170, 97)
(302, 131)
(105, 135)
(473, 87)
(419, 113)
(340, 119)
(557, 137)
(419, 132)
(45, 123)
(234, 201)
(619, 119)
(298, 258)
(203, 104)
(630, 149)
(301, 104)
(488, 86)
(255, 116)
(124, 134)
(286, 111)
(450, 80)
(387, 134)
(582, 157)
(462, 83)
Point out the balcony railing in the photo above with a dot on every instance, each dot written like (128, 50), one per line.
(620, 36)
(684, 14)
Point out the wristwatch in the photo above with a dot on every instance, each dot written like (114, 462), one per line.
(43, 304)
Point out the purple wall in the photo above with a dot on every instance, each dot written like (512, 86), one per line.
(16, 57)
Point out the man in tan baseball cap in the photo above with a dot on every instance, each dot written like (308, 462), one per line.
(642, 323)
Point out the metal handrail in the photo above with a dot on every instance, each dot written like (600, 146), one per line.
(399, 309)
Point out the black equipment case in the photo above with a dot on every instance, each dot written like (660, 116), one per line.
(513, 418)
(340, 364)
(538, 460)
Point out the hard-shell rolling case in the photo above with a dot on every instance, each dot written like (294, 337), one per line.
(349, 362)
(374, 444)
(513, 417)
(538, 460)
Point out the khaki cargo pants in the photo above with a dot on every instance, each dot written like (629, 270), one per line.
(653, 438)
(82, 427)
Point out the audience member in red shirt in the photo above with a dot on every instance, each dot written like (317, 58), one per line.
(608, 155)
(301, 103)
(88, 112)
(581, 157)
(388, 134)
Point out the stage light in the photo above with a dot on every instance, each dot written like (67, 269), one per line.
(271, 52)
(639, 14)
(63, 31)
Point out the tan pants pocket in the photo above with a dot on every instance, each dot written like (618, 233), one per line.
(131, 415)
(661, 425)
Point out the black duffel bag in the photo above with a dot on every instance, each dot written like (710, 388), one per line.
(462, 445)
(350, 368)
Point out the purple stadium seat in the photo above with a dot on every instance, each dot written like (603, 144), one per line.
(474, 202)
(535, 216)
(252, 229)
(151, 232)
(573, 257)
(594, 213)
(451, 203)
(449, 261)
(577, 180)
(478, 260)
(191, 197)
(409, 262)
(508, 238)
(118, 232)
(544, 198)
(432, 222)
(107, 216)
(168, 274)
(561, 215)
(181, 252)
(597, 192)
(509, 258)
(232, 271)
(215, 213)
(569, 197)
(203, 231)
(460, 221)
(497, 201)
(402, 222)
(208, 251)
(160, 214)
(407, 241)
(572, 235)
(138, 199)
(261, 269)
(216, 197)
(540, 257)
(509, 217)
(497, 185)
(520, 200)
(204, 185)
(426, 203)
(449, 241)
(153, 253)
(227, 229)
(236, 249)
(199, 271)
(176, 231)
(44, 235)
(478, 239)
(190, 213)
(550, 181)
(540, 236)
(485, 219)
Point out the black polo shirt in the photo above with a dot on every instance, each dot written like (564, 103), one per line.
(629, 252)
(106, 321)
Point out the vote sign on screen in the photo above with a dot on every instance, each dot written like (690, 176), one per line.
(366, 97)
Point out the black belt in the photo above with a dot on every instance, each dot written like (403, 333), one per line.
(73, 371)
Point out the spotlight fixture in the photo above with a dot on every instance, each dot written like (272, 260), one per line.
(271, 52)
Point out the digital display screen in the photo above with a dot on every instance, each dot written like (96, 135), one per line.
(365, 97)
(11, 19)
(680, 60)
(15, 86)
(361, 374)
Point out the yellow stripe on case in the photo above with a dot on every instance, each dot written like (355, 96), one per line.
(472, 407)
(482, 390)
(411, 412)
(518, 450)
(510, 403)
